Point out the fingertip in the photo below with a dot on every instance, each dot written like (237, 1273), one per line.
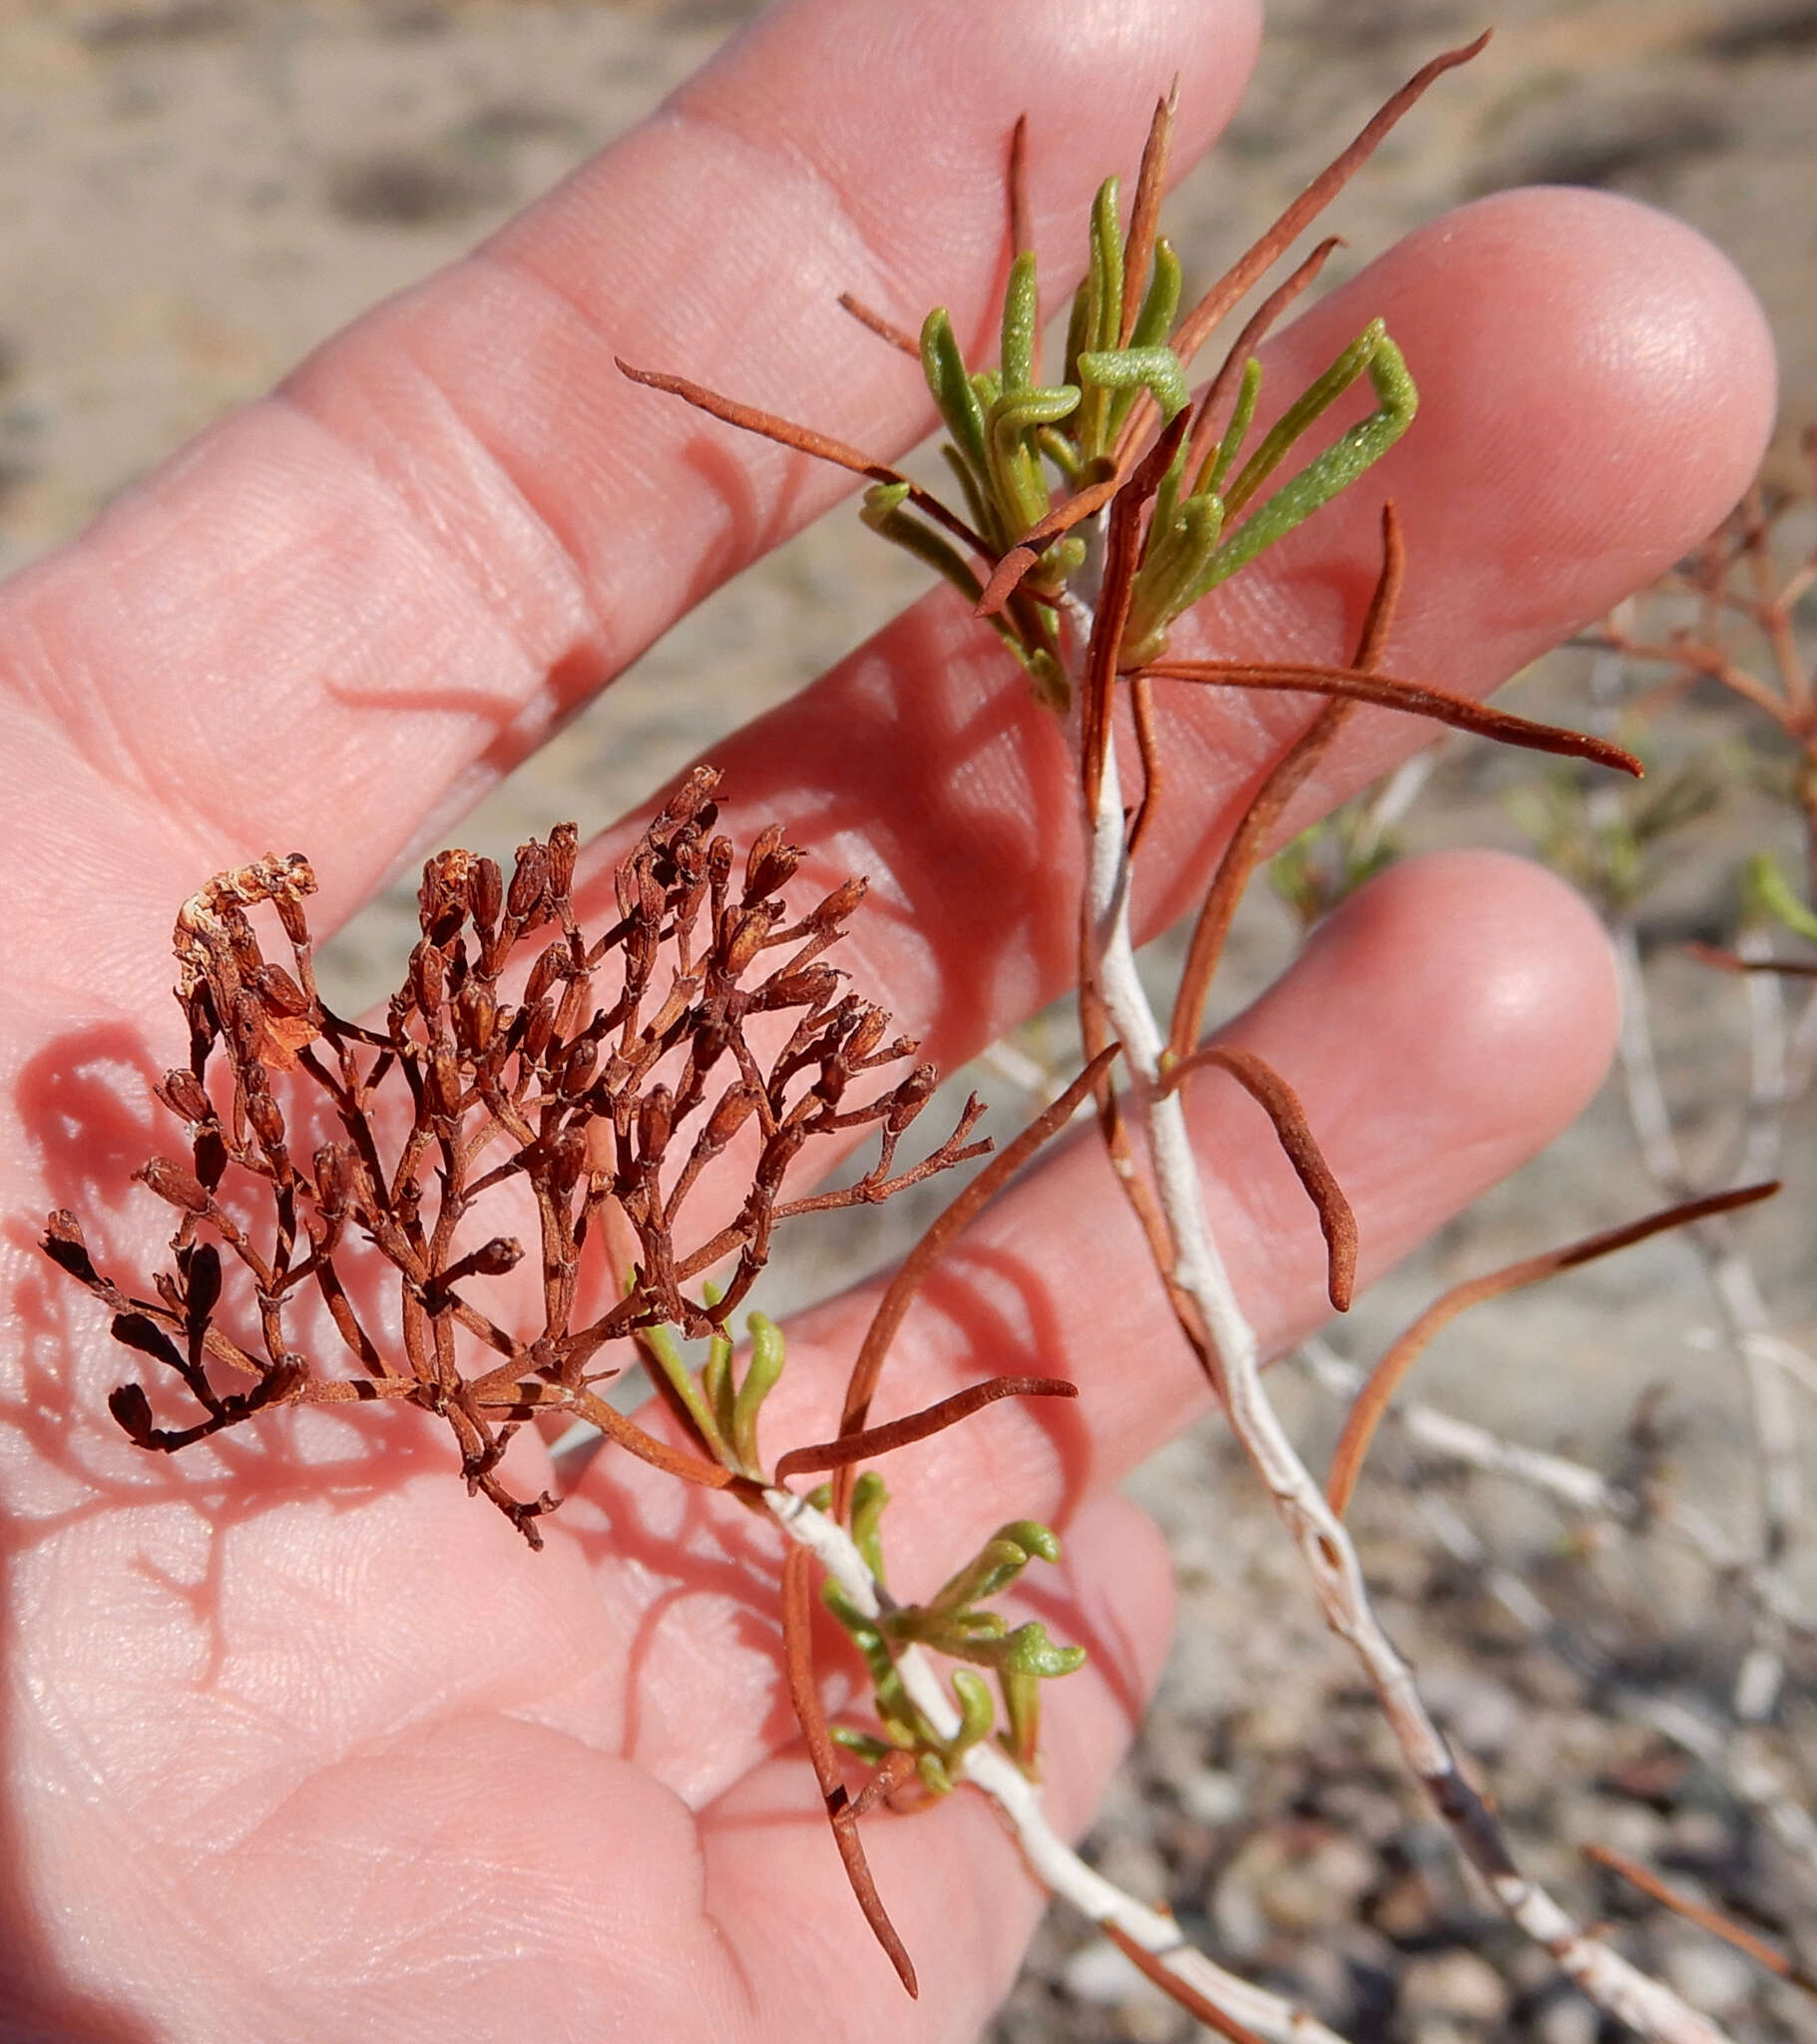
(1643, 356)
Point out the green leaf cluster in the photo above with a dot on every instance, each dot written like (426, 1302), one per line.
(723, 1405)
(1016, 440)
(954, 1622)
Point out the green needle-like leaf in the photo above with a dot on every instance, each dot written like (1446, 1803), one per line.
(977, 1712)
(761, 1374)
(1129, 369)
(1021, 318)
(660, 1346)
(1243, 414)
(944, 368)
(869, 1497)
(1333, 471)
(882, 510)
(1175, 566)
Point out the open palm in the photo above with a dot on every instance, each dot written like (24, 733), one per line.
(302, 1744)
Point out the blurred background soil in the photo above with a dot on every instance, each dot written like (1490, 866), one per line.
(196, 192)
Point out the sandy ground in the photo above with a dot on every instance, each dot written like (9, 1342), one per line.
(197, 191)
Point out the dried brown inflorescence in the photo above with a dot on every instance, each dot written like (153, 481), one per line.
(593, 1081)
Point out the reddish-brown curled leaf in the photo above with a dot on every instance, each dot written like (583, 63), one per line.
(1389, 692)
(1386, 1379)
(917, 1427)
(804, 1695)
(805, 440)
(1279, 1101)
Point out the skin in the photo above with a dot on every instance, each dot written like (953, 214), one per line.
(300, 1742)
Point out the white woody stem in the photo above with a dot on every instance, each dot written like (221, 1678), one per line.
(1324, 1545)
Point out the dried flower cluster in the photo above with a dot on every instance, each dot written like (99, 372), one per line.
(601, 1095)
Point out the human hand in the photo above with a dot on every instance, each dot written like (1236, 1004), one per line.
(304, 1744)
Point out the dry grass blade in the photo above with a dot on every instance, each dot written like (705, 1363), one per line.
(917, 1427)
(1148, 753)
(767, 425)
(1705, 1918)
(1417, 698)
(1169, 1983)
(1386, 1379)
(1265, 1086)
(1204, 318)
(1198, 325)
(898, 337)
(1145, 211)
(1250, 838)
(921, 1259)
(1204, 427)
(798, 1663)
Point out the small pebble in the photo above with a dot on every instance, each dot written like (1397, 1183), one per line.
(1457, 1984)
(1213, 1795)
(1568, 2019)
(1711, 1978)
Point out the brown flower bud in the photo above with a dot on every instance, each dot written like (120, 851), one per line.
(445, 1082)
(872, 1022)
(840, 904)
(733, 1111)
(910, 1098)
(334, 1180)
(247, 1027)
(744, 932)
(538, 1025)
(625, 887)
(493, 1258)
(267, 1122)
(563, 849)
(567, 1160)
(475, 1017)
(778, 1154)
(812, 987)
(656, 1122)
(485, 892)
(170, 1182)
(545, 972)
(689, 802)
(290, 909)
(132, 1411)
(570, 1017)
(769, 865)
(428, 976)
(577, 1066)
(184, 1094)
(527, 881)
